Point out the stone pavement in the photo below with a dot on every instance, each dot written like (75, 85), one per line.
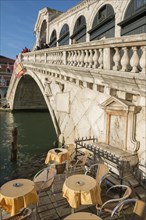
(52, 206)
(55, 207)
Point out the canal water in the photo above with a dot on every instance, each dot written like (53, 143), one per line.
(36, 135)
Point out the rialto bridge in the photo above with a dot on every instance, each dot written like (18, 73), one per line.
(91, 88)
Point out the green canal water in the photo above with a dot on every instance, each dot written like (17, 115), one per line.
(36, 136)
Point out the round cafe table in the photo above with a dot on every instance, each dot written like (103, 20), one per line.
(58, 155)
(81, 189)
(17, 194)
(82, 215)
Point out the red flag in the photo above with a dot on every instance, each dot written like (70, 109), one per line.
(18, 68)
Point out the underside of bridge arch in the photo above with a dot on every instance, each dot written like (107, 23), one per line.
(28, 95)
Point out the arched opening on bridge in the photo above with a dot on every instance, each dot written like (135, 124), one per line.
(79, 33)
(103, 24)
(28, 95)
(64, 35)
(135, 18)
(53, 39)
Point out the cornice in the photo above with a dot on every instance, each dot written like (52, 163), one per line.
(73, 10)
(41, 13)
(44, 12)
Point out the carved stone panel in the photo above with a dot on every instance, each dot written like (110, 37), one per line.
(120, 124)
(62, 102)
(116, 137)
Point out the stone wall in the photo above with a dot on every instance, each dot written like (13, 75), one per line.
(87, 118)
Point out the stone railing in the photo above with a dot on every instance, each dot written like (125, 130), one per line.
(126, 54)
(11, 85)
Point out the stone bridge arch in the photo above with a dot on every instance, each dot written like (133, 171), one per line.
(28, 93)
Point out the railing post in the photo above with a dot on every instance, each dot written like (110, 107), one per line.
(106, 58)
(90, 58)
(116, 59)
(100, 59)
(86, 58)
(81, 58)
(64, 58)
(143, 60)
(125, 60)
(134, 61)
(95, 58)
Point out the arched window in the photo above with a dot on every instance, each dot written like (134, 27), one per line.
(135, 18)
(43, 32)
(64, 35)
(53, 39)
(79, 33)
(103, 24)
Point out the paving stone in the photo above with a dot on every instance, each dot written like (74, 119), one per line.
(45, 207)
(50, 213)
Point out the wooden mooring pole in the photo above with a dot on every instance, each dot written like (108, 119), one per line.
(14, 145)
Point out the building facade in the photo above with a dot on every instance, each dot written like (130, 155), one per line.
(6, 69)
(90, 20)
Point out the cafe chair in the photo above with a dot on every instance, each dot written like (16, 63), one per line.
(44, 179)
(99, 171)
(61, 168)
(112, 197)
(71, 150)
(80, 162)
(138, 212)
(24, 214)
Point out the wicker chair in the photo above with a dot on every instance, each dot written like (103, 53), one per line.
(61, 168)
(80, 162)
(44, 179)
(138, 213)
(99, 171)
(113, 196)
(71, 150)
(22, 215)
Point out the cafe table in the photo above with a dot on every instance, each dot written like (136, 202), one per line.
(81, 190)
(82, 215)
(57, 155)
(17, 194)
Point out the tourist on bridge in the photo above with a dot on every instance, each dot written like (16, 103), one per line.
(25, 50)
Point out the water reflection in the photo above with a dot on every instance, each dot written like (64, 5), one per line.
(36, 135)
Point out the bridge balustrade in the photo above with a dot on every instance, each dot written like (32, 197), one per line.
(124, 54)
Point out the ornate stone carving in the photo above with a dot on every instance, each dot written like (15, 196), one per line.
(47, 88)
(120, 124)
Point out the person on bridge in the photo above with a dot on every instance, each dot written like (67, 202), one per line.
(25, 50)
